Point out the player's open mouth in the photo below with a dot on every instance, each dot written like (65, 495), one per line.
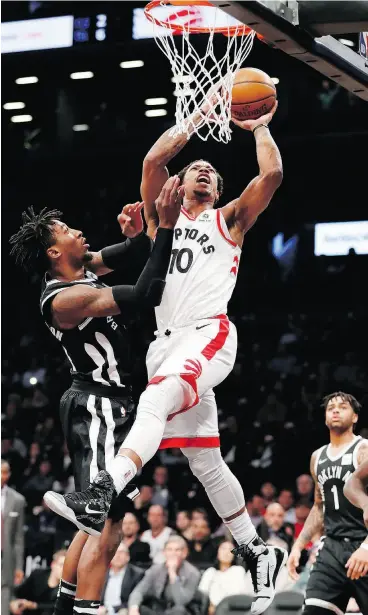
(203, 179)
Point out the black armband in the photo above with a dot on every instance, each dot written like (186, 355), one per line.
(151, 283)
(113, 256)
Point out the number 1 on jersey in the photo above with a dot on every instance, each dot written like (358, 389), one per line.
(336, 497)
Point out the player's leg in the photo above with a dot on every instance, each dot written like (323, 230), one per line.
(227, 498)
(68, 583)
(328, 586)
(197, 361)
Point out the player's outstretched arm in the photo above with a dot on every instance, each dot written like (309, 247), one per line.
(137, 244)
(155, 173)
(242, 213)
(73, 305)
(312, 527)
(356, 492)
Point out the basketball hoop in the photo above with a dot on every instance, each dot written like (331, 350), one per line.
(203, 82)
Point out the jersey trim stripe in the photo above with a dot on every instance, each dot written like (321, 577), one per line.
(187, 214)
(197, 442)
(54, 292)
(329, 606)
(217, 343)
(219, 226)
(110, 426)
(85, 323)
(94, 430)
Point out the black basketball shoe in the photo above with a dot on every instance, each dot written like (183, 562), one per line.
(264, 563)
(89, 509)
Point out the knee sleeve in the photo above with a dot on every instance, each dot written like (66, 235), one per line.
(222, 487)
(156, 403)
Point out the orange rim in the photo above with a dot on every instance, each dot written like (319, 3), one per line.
(172, 25)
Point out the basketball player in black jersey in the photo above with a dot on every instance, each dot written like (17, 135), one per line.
(356, 490)
(330, 587)
(96, 412)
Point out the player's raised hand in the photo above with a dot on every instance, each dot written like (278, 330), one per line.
(357, 565)
(293, 562)
(130, 219)
(169, 202)
(252, 124)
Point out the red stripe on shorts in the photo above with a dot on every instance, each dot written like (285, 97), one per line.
(217, 343)
(199, 442)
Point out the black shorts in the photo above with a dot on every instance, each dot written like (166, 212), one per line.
(328, 585)
(95, 426)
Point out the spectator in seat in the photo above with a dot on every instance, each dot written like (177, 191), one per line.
(139, 551)
(286, 500)
(273, 529)
(268, 492)
(41, 587)
(184, 524)
(161, 494)
(167, 588)
(121, 580)
(224, 579)
(12, 537)
(158, 534)
(203, 548)
(36, 486)
(302, 510)
(305, 487)
(256, 508)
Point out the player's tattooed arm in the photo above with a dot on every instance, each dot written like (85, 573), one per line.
(155, 172)
(355, 488)
(313, 526)
(315, 522)
(243, 212)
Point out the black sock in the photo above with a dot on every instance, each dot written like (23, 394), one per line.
(65, 599)
(86, 607)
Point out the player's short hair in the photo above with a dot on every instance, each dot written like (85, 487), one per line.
(220, 181)
(30, 243)
(350, 399)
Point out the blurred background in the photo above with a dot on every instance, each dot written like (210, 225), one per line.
(76, 125)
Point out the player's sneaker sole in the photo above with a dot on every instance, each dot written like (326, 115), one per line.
(57, 504)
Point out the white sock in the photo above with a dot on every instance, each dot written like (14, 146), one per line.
(155, 405)
(122, 470)
(242, 528)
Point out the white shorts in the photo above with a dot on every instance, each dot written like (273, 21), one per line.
(203, 354)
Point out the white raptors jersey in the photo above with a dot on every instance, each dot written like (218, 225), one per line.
(202, 272)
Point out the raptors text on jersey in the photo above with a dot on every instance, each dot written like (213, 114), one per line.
(202, 271)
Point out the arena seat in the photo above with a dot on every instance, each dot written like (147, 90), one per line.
(238, 603)
(286, 603)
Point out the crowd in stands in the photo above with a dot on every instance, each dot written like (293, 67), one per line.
(299, 339)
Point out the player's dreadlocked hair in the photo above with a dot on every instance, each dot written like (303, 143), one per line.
(30, 243)
(350, 399)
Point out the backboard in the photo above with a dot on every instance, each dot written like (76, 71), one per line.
(310, 31)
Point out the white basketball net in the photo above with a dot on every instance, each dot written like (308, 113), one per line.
(203, 83)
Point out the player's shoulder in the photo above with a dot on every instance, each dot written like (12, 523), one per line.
(361, 452)
(315, 457)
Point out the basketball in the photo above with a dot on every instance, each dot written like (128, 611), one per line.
(253, 94)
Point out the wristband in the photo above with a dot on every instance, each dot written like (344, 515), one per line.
(259, 126)
(364, 545)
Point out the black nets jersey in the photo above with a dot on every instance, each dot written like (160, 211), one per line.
(341, 518)
(98, 349)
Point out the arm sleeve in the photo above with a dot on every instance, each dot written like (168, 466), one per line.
(183, 595)
(151, 283)
(116, 256)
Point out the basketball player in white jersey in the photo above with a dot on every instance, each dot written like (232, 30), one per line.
(196, 344)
